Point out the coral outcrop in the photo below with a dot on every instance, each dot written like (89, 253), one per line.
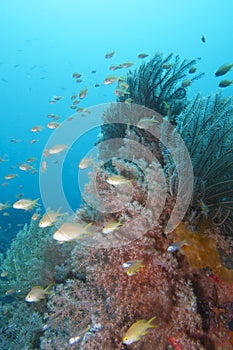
(185, 279)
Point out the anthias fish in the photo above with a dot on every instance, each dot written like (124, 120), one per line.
(137, 330)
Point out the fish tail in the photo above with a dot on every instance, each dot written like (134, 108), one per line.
(47, 288)
(150, 321)
(120, 221)
(35, 202)
(90, 223)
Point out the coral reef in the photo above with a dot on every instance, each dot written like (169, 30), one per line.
(20, 327)
(187, 289)
(104, 297)
(100, 295)
(30, 261)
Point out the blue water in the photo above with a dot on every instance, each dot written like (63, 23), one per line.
(43, 42)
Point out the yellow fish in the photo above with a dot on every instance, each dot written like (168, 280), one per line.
(133, 266)
(70, 231)
(37, 293)
(114, 67)
(10, 176)
(4, 274)
(123, 85)
(126, 64)
(147, 122)
(83, 93)
(26, 204)
(76, 75)
(142, 55)
(53, 125)
(223, 69)
(167, 65)
(192, 70)
(5, 205)
(49, 218)
(186, 82)
(31, 159)
(128, 100)
(111, 226)
(117, 180)
(2, 159)
(79, 336)
(56, 149)
(36, 128)
(137, 330)
(33, 141)
(109, 54)
(110, 79)
(35, 216)
(86, 163)
(225, 83)
(26, 167)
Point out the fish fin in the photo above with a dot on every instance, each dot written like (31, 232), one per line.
(144, 333)
(37, 287)
(49, 293)
(120, 221)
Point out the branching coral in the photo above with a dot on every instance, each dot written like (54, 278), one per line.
(20, 327)
(30, 261)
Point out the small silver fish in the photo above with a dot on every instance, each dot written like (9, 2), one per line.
(174, 247)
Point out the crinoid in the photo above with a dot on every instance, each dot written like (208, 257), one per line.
(206, 127)
(161, 84)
